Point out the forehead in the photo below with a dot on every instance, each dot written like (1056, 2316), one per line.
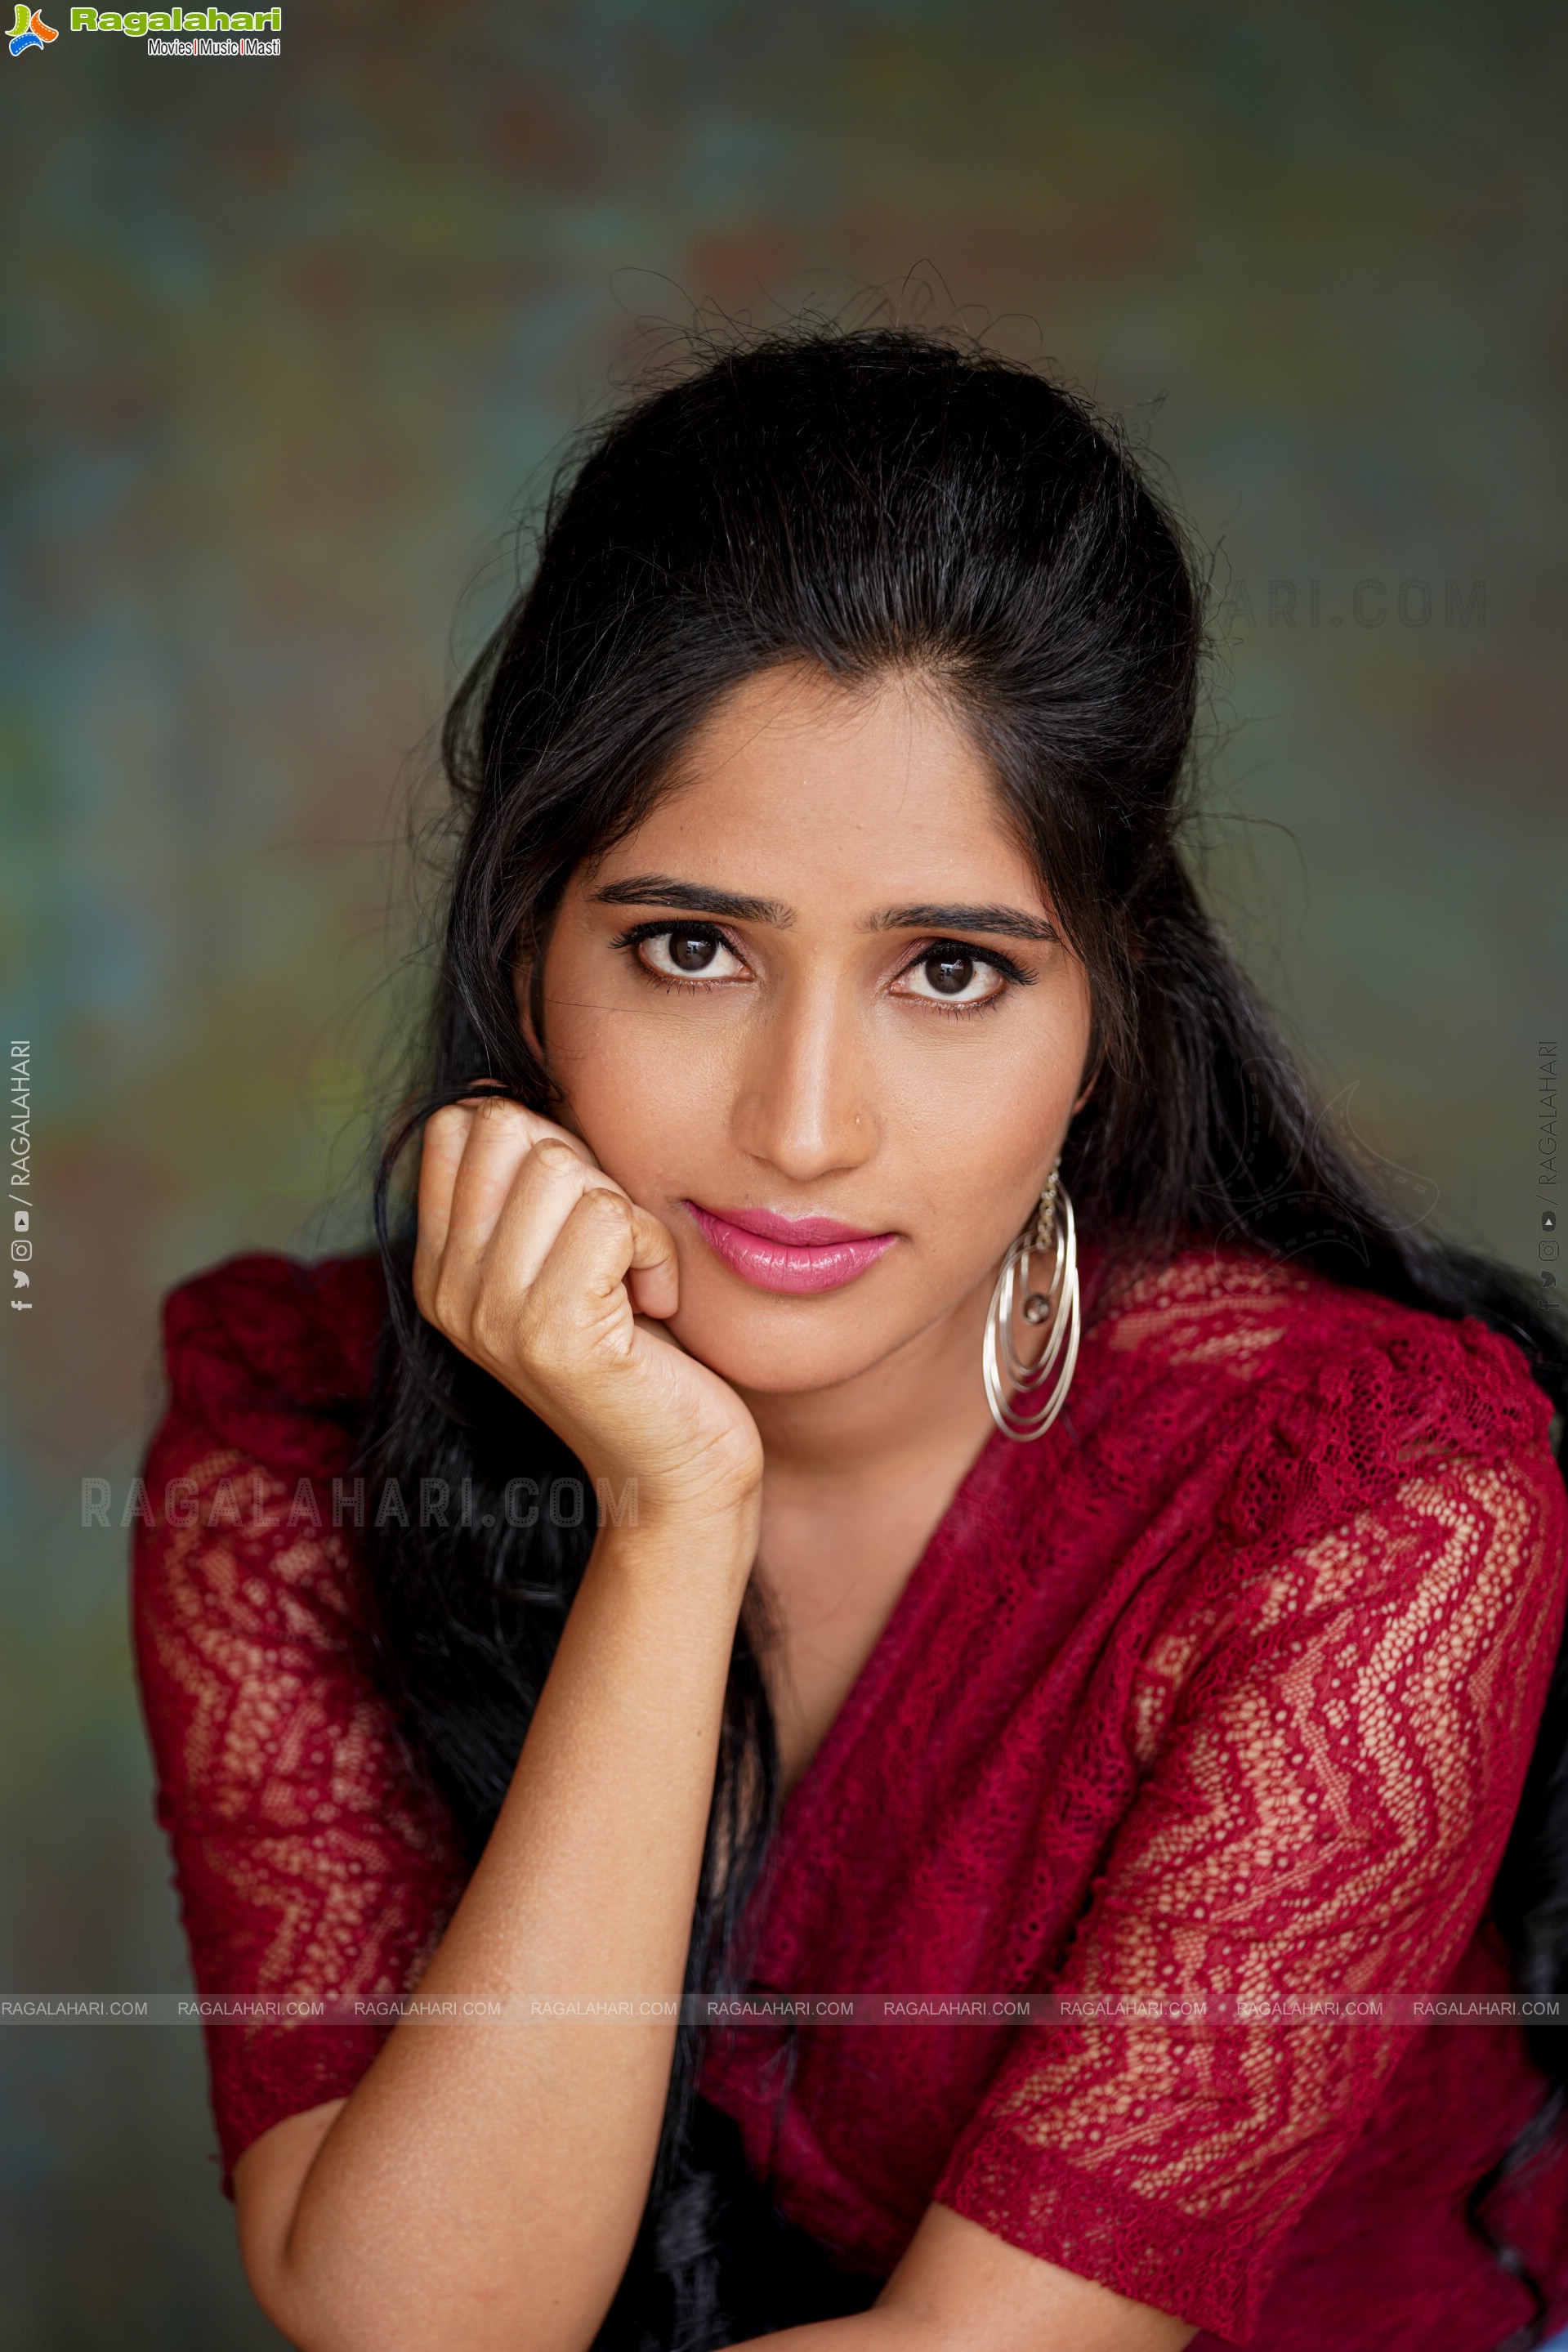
(796, 785)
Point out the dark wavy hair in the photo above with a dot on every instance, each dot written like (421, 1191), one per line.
(869, 500)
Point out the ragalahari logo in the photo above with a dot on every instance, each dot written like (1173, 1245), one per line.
(30, 32)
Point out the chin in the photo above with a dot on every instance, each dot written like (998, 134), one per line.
(782, 1346)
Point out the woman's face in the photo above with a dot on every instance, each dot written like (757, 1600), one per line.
(820, 982)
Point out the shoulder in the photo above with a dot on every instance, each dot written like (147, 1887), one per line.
(1237, 1307)
(1349, 1476)
(269, 1361)
(1317, 1396)
(273, 1356)
(315, 1860)
(247, 1591)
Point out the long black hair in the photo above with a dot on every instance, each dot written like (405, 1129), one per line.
(867, 499)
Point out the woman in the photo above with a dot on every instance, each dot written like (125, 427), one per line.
(967, 1492)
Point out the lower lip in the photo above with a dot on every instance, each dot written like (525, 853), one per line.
(789, 1266)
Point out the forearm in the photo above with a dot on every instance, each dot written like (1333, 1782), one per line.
(484, 2184)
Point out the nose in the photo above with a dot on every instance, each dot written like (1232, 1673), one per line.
(803, 1104)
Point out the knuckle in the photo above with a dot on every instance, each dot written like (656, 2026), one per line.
(611, 1208)
(491, 1327)
(554, 1156)
(443, 1304)
(537, 1334)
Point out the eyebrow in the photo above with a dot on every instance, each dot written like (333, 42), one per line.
(697, 897)
(692, 898)
(1002, 922)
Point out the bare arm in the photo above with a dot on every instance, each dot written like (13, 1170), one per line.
(960, 2288)
(483, 2184)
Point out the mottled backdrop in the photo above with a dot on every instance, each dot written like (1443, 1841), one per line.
(288, 344)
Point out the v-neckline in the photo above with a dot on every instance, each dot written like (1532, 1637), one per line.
(808, 1798)
(840, 1735)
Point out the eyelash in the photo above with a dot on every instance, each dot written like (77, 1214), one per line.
(631, 939)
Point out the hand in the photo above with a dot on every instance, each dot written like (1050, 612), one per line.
(539, 1266)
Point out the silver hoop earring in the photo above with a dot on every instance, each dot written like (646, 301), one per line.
(1051, 1229)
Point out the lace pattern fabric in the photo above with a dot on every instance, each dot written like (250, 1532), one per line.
(312, 1864)
(1231, 1687)
(1325, 1817)
(1227, 1687)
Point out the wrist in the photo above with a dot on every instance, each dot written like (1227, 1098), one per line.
(704, 1502)
(699, 1544)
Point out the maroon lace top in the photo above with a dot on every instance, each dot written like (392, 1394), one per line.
(1225, 1687)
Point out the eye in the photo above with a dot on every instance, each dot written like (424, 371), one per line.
(950, 973)
(687, 951)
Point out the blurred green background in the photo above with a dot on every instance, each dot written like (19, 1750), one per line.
(287, 344)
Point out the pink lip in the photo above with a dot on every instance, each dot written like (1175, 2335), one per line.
(793, 1253)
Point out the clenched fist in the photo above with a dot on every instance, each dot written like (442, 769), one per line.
(539, 1266)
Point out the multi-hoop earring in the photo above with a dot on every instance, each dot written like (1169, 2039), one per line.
(1057, 1305)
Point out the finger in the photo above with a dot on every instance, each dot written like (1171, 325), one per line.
(538, 1126)
(652, 1279)
(546, 1189)
(543, 1195)
(500, 1137)
(579, 1286)
(441, 1150)
(660, 1332)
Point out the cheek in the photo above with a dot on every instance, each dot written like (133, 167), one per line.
(974, 1134)
(646, 1087)
(975, 1185)
(987, 1107)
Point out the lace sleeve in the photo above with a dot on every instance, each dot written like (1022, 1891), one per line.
(310, 1864)
(1324, 1816)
